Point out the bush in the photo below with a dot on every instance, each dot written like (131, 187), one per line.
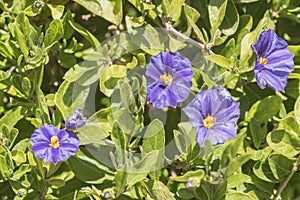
(182, 99)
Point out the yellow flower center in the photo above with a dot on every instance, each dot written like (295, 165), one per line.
(168, 79)
(54, 142)
(263, 61)
(209, 122)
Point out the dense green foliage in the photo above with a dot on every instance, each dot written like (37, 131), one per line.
(59, 55)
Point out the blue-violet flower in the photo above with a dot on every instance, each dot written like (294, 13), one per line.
(75, 120)
(53, 145)
(274, 61)
(169, 79)
(214, 115)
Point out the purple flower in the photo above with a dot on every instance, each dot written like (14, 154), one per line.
(53, 145)
(169, 79)
(274, 61)
(75, 120)
(214, 115)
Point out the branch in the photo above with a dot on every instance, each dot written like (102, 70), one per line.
(168, 24)
(285, 182)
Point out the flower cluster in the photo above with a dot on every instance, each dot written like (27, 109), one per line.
(53, 145)
(274, 61)
(212, 112)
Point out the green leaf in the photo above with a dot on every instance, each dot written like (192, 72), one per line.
(139, 170)
(158, 190)
(264, 109)
(185, 193)
(70, 96)
(6, 167)
(81, 71)
(15, 29)
(154, 137)
(119, 137)
(244, 27)
(280, 165)
(18, 156)
(199, 174)
(192, 16)
(262, 170)
(10, 134)
(289, 123)
(216, 12)
(6, 52)
(297, 110)
(175, 44)
(56, 182)
(111, 10)
(210, 83)
(91, 132)
(172, 8)
(293, 88)
(32, 11)
(56, 10)
(120, 181)
(116, 71)
(284, 142)
(66, 60)
(23, 169)
(196, 30)
(184, 140)
(150, 39)
(89, 170)
(97, 127)
(68, 29)
(218, 38)
(27, 29)
(245, 1)
(42, 108)
(54, 33)
(237, 179)
(85, 33)
(11, 118)
(231, 19)
(229, 51)
(236, 163)
(220, 60)
(238, 195)
(90, 76)
(256, 132)
(3, 75)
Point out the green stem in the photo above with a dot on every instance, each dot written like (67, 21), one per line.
(167, 23)
(42, 195)
(285, 182)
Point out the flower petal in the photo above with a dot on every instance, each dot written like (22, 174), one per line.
(202, 135)
(276, 80)
(43, 134)
(40, 150)
(220, 133)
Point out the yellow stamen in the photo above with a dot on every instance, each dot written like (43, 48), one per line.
(263, 61)
(209, 122)
(168, 79)
(54, 142)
